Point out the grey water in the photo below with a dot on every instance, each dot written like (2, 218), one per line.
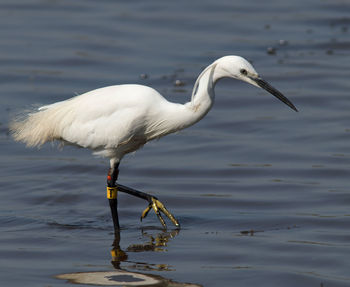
(262, 192)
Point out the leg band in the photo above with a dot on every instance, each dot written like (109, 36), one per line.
(112, 192)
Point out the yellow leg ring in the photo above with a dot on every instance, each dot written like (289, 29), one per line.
(112, 192)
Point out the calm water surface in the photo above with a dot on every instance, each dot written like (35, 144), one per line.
(262, 192)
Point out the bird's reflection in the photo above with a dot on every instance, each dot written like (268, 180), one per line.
(118, 255)
(156, 243)
(140, 276)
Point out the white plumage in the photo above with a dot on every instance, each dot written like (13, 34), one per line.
(116, 120)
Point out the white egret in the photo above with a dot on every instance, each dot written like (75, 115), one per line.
(116, 120)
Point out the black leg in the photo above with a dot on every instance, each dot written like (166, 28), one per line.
(153, 202)
(112, 195)
(135, 192)
(113, 203)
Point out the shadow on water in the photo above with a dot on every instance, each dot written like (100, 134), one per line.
(123, 277)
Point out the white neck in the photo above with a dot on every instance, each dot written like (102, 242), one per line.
(203, 94)
(180, 116)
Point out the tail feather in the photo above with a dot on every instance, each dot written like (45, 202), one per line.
(35, 128)
(32, 129)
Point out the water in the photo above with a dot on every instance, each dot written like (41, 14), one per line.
(262, 192)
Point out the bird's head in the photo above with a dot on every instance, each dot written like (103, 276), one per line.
(239, 68)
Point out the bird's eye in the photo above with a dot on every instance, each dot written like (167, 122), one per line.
(244, 72)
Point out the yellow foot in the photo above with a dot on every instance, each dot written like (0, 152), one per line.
(159, 207)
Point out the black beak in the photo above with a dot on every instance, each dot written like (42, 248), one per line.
(266, 86)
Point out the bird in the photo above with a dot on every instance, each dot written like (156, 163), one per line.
(116, 120)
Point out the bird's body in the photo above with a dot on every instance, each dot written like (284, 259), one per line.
(116, 120)
(112, 121)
